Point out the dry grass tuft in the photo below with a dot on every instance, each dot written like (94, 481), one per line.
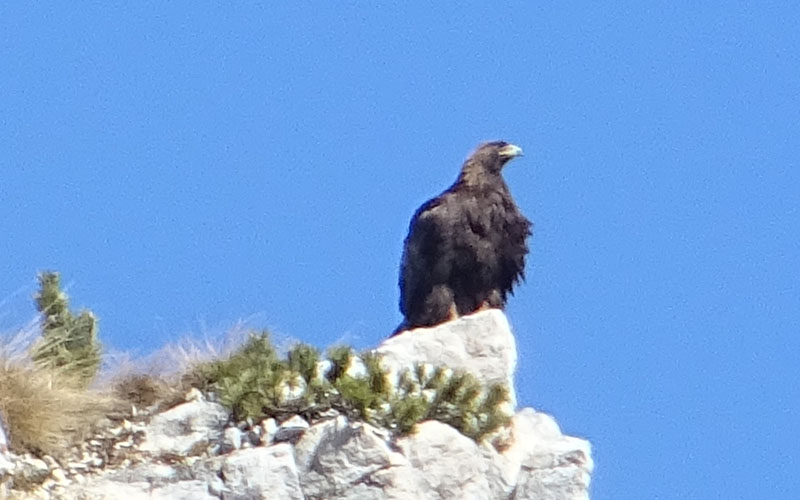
(161, 379)
(44, 412)
(146, 391)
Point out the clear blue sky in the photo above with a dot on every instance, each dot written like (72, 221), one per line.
(188, 166)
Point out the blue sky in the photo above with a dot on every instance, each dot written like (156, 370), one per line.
(188, 166)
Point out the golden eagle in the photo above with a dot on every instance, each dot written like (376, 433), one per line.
(466, 248)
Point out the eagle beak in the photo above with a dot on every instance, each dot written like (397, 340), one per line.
(510, 151)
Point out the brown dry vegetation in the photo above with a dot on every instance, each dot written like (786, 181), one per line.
(44, 412)
(148, 391)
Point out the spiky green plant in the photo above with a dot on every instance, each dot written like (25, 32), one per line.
(340, 357)
(253, 383)
(69, 343)
(303, 359)
(248, 380)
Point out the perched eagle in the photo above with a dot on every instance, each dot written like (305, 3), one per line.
(466, 248)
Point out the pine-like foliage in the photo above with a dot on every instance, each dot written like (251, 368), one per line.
(255, 383)
(250, 381)
(69, 343)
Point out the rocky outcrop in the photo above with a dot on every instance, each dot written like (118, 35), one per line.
(481, 344)
(193, 451)
(185, 430)
(264, 472)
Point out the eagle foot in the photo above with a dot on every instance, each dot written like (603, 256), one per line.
(452, 313)
(485, 306)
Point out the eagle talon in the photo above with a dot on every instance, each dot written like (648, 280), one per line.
(485, 306)
(452, 313)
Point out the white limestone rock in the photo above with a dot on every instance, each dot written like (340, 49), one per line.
(268, 429)
(208, 471)
(7, 466)
(291, 430)
(186, 429)
(481, 343)
(150, 473)
(551, 466)
(30, 471)
(292, 390)
(261, 473)
(453, 466)
(183, 490)
(105, 489)
(231, 439)
(353, 461)
(306, 447)
(193, 394)
(3, 437)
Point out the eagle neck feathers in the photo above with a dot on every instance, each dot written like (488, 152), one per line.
(476, 177)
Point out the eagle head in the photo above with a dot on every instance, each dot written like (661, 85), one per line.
(491, 157)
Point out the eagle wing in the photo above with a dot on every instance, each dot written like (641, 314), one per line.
(425, 263)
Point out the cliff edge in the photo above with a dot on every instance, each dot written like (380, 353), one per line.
(194, 450)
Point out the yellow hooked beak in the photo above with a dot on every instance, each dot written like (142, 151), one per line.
(510, 151)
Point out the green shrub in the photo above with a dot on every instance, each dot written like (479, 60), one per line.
(249, 381)
(69, 343)
(255, 383)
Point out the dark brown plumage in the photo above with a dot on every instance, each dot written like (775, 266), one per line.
(466, 248)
